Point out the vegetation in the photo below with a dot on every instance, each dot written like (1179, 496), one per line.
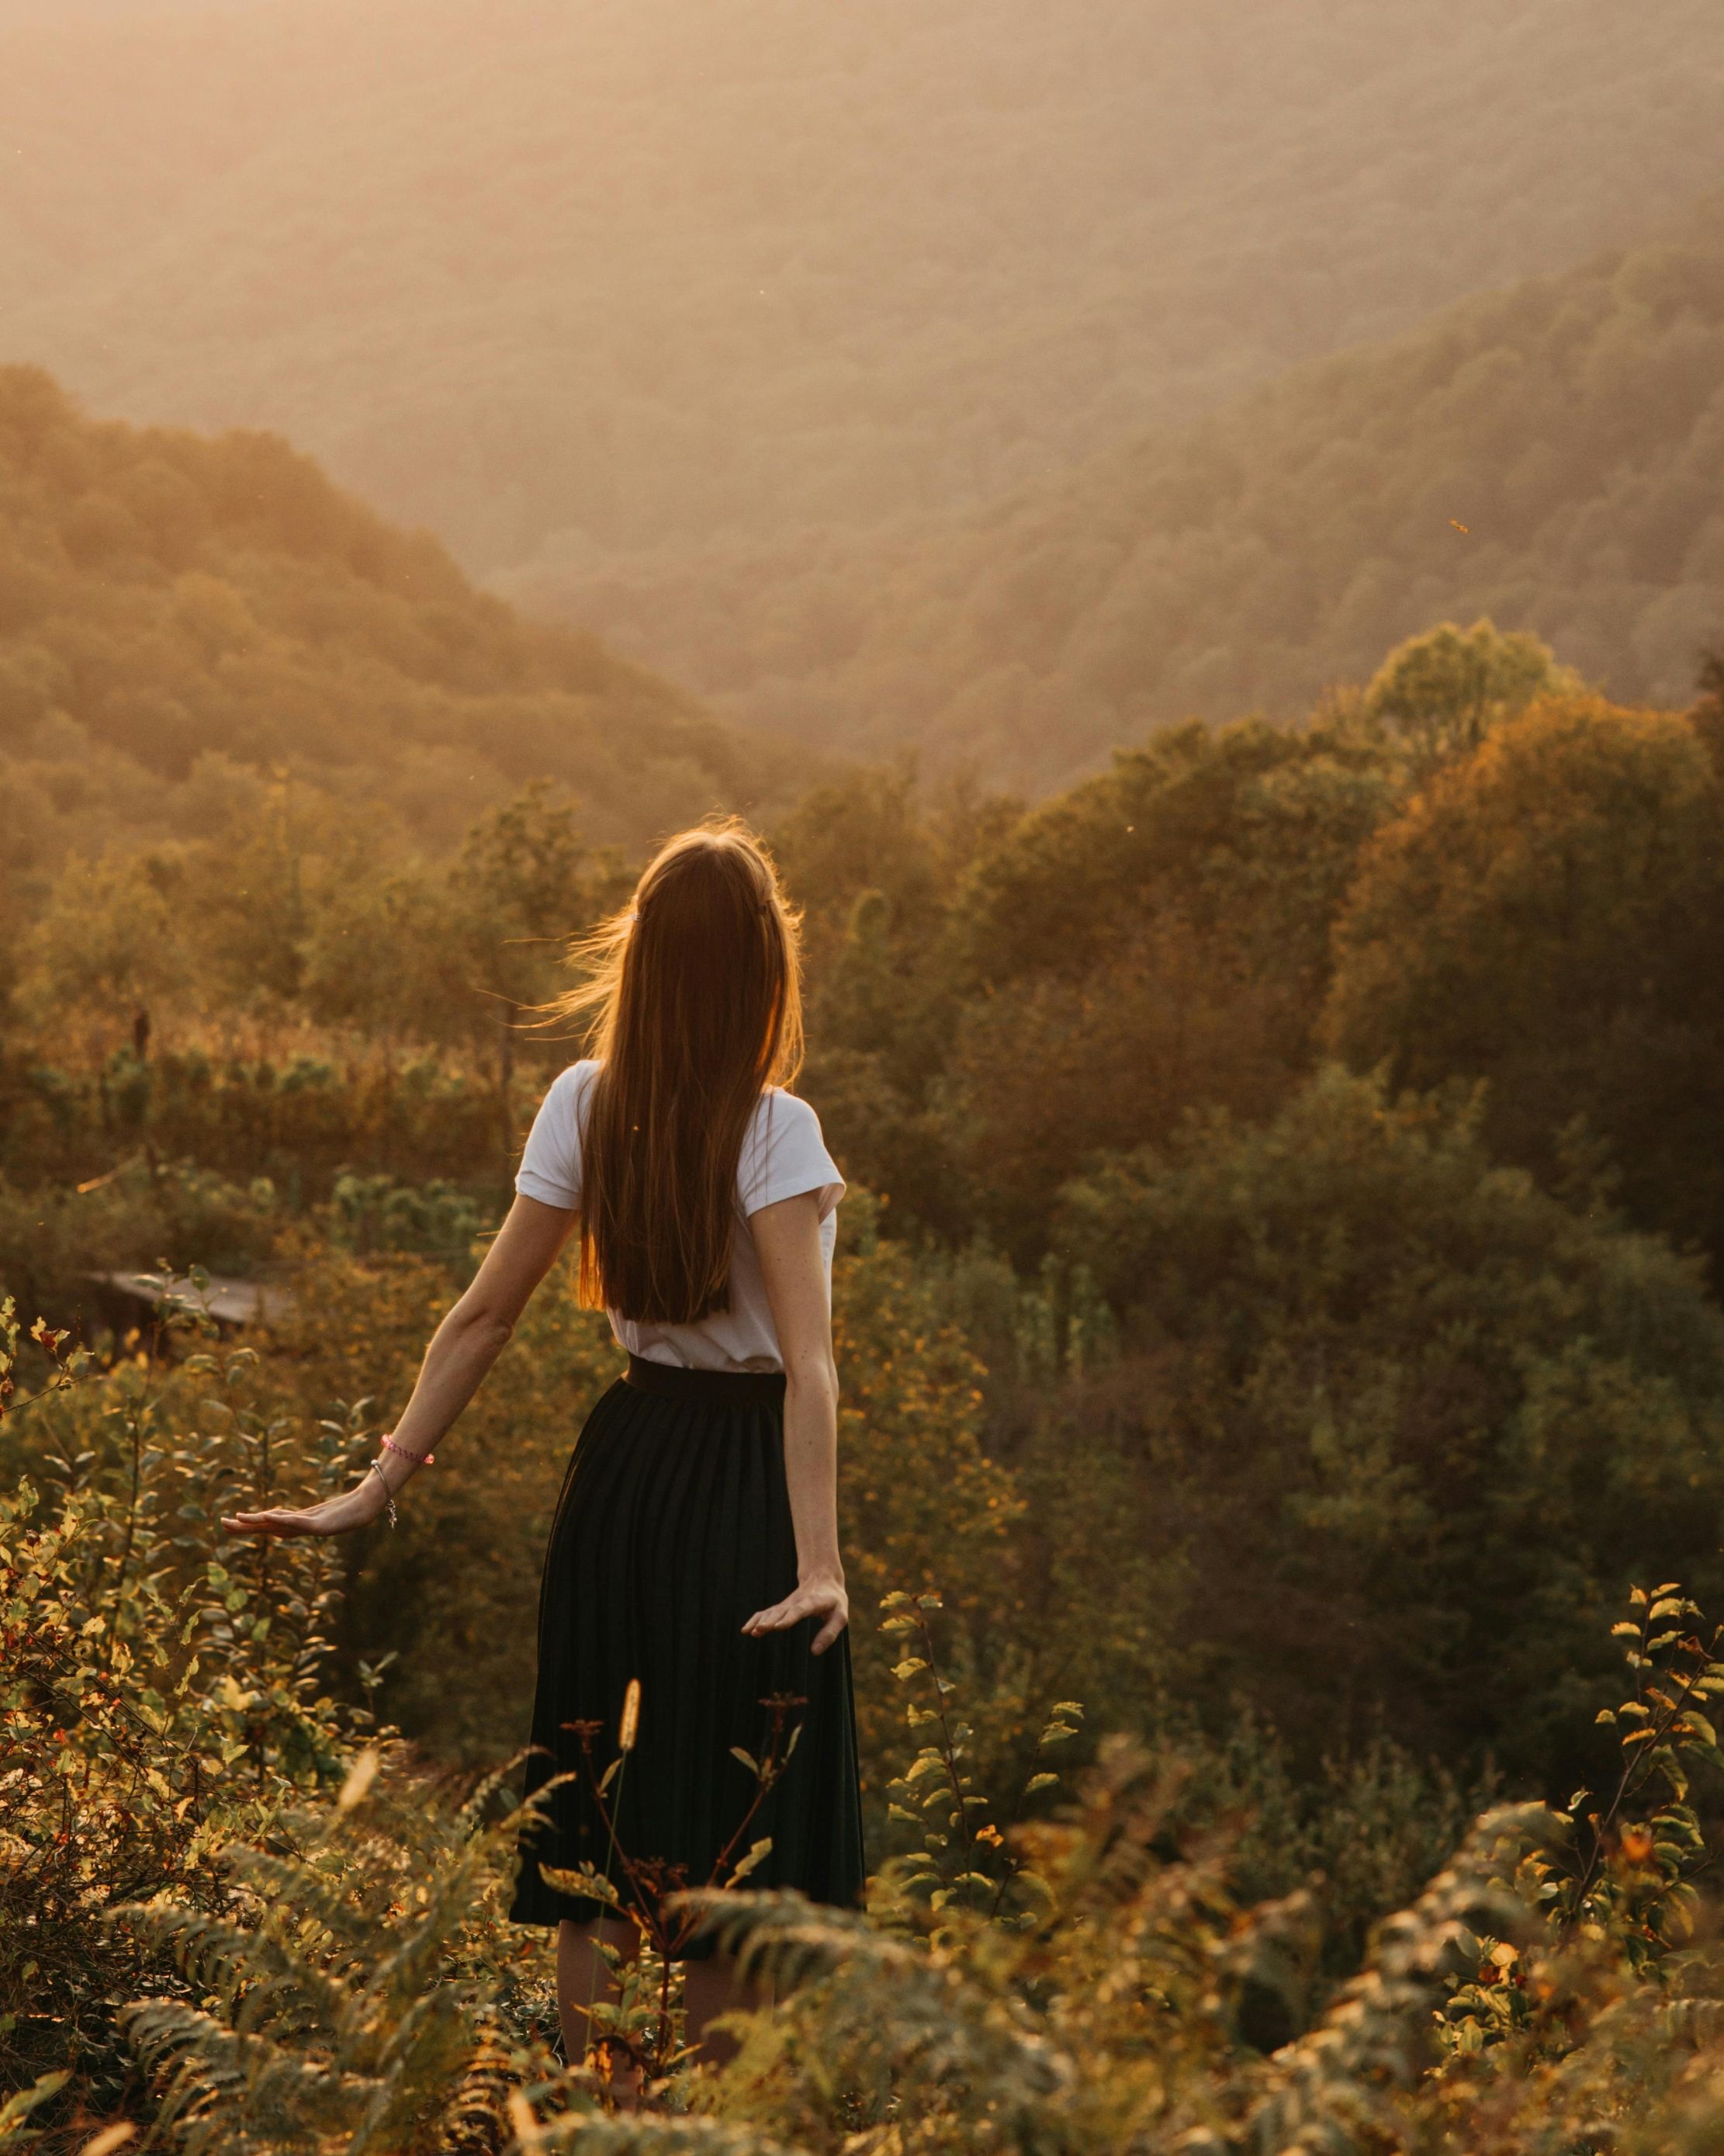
(692, 296)
(971, 245)
(1277, 1323)
(1546, 454)
(1277, 1299)
(184, 622)
(259, 1931)
(1124, 1209)
(161, 1693)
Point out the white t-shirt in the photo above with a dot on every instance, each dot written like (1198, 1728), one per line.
(783, 1154)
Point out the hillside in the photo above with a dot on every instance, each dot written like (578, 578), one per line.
(677, 276)
(178, 614)
(1552, 454)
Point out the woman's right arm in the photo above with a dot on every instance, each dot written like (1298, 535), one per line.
(463, 1348)
(787, 1240)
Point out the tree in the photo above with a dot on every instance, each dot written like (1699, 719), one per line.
(107, 944)
(1548, 916)
(1442, 692)
(1157, 937)
(1419, 1421)
(380, 956)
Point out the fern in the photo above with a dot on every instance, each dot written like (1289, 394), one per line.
(352, 2007)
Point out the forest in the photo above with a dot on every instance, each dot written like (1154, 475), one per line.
(700, 325)
(1278, 1323)
(185, 622)
(1547, 455)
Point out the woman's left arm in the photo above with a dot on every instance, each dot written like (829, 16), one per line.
(787, 1240)
(462, 1350)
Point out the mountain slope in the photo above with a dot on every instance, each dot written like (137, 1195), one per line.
(179, 613)
(1551, 455)
(676, 275)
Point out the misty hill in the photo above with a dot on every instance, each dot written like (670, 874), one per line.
(684, 275)
(178, 613)
(1551, 455)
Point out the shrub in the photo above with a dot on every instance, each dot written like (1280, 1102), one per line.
(1419, 1421)
(154, 1700)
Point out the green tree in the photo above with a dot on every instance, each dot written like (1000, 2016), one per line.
(526, 881)
(1157, 936)
(1423, 1421)
(382, 955)
(108, 944)
(1442, 692)
(875, 863)
(1548, 916)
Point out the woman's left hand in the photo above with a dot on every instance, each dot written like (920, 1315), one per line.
(356, 1507)
(823, 1599)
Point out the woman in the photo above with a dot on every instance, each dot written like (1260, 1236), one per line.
(695, 1546)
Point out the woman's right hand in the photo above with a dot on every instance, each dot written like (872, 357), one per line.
(822, 1598)
(356, 1507)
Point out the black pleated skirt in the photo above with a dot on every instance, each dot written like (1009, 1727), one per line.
(673, 1527)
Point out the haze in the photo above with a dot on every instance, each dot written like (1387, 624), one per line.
(643, 307)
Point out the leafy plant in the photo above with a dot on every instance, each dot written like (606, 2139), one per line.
(642, 2030)
(155, 1700)
(350, 1995)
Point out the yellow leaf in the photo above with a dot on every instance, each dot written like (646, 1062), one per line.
(360, 1777)
(109, 2139)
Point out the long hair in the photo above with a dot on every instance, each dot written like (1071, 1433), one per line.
(693, 1005)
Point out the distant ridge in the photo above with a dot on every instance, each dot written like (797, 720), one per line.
(173, 606)
(678, 275)
(1551, 454)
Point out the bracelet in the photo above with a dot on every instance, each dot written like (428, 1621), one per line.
(419, 1459)
(376, 1468)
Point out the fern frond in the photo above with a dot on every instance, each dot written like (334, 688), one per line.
(891, 2018)
(1330, 2087)
(15, 2112)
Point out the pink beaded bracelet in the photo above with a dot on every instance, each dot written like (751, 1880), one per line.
(419, 1459)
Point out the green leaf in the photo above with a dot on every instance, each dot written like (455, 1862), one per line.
(1044, 1781)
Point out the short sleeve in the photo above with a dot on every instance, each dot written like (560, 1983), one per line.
(551, 1164)
(783, 1155)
